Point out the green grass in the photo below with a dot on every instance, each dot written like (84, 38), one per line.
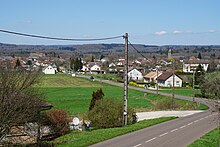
(74, 94)
(86, 138)
(211, 139)
(182, 91)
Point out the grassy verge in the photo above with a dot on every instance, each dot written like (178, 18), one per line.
(182, 91)
(77, 138)
(211, 139)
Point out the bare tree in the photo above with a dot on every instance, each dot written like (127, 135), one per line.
(19, 100)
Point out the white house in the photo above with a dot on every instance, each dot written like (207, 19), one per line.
(166, 80)
(49, 70)
(85, 68)
(95, 67)
(190, 66)
(134, 74)
(112, 65)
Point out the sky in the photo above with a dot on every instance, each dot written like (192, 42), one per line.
(149, 22)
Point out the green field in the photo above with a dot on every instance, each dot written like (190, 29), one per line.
(182, 91)
(74, 94)
(211, 139)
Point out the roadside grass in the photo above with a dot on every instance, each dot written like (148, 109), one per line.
(181, 91)
(211, 139)
(74, 94)
(86, 138)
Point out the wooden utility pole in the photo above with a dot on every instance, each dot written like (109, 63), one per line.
(125, 113)
(157, 81)
(173, 86)
(193, 95)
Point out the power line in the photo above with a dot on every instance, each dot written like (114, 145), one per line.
(136, 49)
(59, 38)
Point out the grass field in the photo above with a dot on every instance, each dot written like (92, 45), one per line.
(74, 94)
(182, 91)
(211, 139)
(86, 138)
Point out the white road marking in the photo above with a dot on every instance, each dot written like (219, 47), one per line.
(164, 134)
(183, 127)
(201, 118)
(174, 130)
(137, 145)
(196, 121)
(189, 123)
(150, 139)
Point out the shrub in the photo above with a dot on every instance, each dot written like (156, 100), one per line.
(98, 95)
(108, 113)
(165, 104)
(133, 83)
(58, 122)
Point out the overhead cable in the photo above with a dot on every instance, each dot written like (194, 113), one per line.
(59, 38)
(136, 49)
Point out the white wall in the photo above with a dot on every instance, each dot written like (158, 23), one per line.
(190, 67)
(95, 67)
(169, 82)
(135, 75)
(49, 70)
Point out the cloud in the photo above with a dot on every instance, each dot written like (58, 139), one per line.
(160, 33)
(177, 32)
(212, 31)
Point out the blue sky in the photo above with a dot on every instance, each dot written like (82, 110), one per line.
(153, 22)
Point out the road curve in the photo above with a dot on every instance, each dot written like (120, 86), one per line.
(175, 133)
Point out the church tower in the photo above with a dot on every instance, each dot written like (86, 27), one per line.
(169, 54)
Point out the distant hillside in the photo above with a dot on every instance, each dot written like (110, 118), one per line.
(106, 48)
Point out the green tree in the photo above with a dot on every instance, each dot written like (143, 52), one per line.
(29, 62)
(78, 64)
(17, 64)
(92, 60)
(199, 74)
(107, 113)
(98, 95)
(199, 56)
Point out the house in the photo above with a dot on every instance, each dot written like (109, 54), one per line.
(49, 70)
(166, 80)
(135, 74)
(85, 68)
(96, 69)
(191, 65)
(151, 77)
(112, 65)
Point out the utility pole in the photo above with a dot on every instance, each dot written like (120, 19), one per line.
(157, 81)
(173, 87)
(125, 113)
(193, 95)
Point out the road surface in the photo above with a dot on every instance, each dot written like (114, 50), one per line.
(175, 133)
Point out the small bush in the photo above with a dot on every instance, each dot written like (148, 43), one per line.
(58, 121)
(98, 95)
(133, 84)
(108, 113)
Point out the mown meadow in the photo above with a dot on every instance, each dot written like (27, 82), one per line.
(73, 94)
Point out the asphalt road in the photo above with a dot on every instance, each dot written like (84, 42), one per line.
(175, 133)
